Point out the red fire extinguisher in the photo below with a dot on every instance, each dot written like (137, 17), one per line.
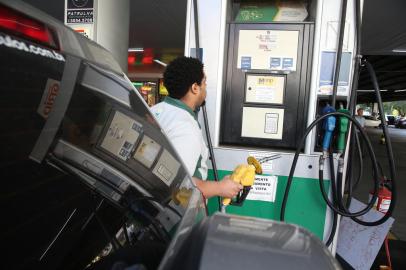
(382, 204)
(384, 198)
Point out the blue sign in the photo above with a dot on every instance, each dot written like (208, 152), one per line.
(346, 62)
(275, 62)
(245, 62)
(287, 63)
(328, 66)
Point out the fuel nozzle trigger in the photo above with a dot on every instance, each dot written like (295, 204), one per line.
(241, 196)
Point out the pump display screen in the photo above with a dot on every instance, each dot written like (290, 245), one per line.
(268, 49)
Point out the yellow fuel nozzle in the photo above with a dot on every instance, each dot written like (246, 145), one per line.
(243, 174)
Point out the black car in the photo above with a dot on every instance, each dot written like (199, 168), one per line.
(89, 181)
(391, 119)
(73, 172)
(401, 123)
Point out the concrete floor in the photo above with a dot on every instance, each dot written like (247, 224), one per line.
(398, 138)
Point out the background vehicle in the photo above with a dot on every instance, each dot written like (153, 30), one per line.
(391, 119)
(370, 121)
(68, 186)
(401, 123)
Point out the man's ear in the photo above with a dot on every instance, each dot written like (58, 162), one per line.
(194, 88)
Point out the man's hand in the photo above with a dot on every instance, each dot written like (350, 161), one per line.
(228, 188)
(225, 188)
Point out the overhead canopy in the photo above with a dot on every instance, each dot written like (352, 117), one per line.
(383, 43)
(384, 27)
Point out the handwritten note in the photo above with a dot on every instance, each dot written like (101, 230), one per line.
(358, 244)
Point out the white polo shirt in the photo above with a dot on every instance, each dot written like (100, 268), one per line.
(180, 124)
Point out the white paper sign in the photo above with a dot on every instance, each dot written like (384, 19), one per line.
(265, 89)
(358, 244)
(262, 123)
(264, 188)
(268, 49)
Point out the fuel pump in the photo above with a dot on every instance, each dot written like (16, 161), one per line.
(259, 95)
(264, 99)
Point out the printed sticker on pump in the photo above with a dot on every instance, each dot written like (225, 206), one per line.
(264, 188)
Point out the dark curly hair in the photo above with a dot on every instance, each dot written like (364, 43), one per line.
(181, 74)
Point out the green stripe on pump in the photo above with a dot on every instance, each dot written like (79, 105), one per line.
(305, 205)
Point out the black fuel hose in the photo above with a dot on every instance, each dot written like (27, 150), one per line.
(334, 192)
(206, 124)
(333, 229)
(350, 186)
(337, 199)
(339, 51)
(210, 146)
(389, 149)
(357, 67)
(349, 182)
(352, 106)
(342, 210)
(325, 196)
(389, 152)
(361, 161)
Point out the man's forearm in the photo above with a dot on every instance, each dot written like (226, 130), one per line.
(207, 188)
(226, 188)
